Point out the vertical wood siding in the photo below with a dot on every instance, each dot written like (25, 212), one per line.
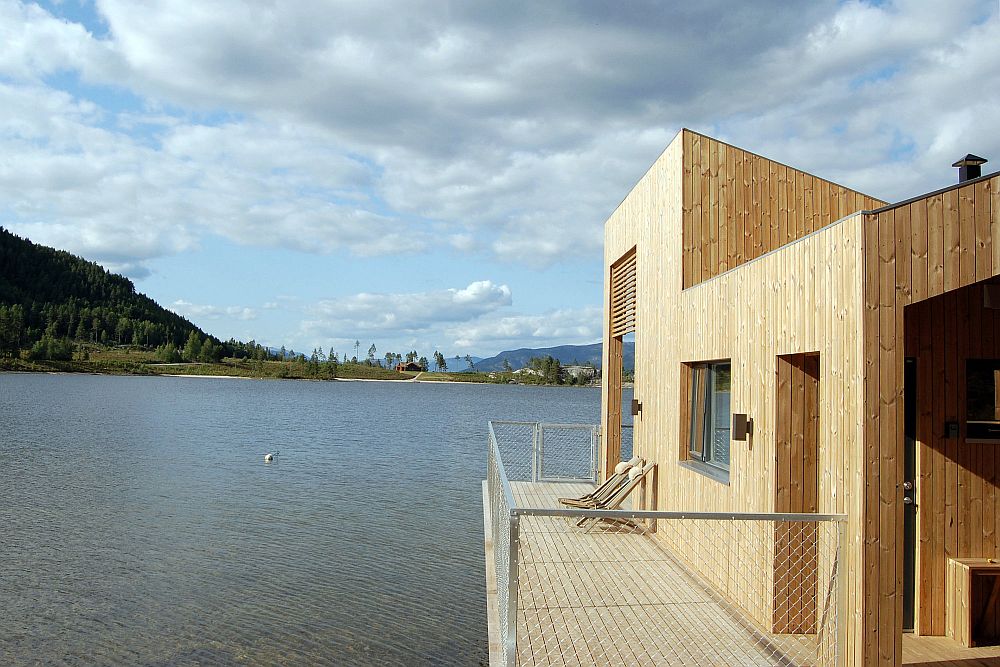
(951, 473)
(738, 206)
(841, 290)
(915, 252)
(806, 298)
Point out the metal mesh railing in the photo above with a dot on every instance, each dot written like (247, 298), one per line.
(706, 590)
(567, 452)
(516, 444)
(665, 588)
(538, 452)
(504, 558)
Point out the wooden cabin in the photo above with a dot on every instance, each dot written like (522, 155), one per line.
(408, 367)
(803, 347)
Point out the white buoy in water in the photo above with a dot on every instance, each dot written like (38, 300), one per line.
(269, 457)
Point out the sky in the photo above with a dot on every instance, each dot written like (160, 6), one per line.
(428, 175)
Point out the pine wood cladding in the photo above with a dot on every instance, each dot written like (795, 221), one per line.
(738, 206)
(749, 316)
(967, 471)
(958, 229)
(862, 288)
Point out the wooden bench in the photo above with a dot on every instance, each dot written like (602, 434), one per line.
(971, 595)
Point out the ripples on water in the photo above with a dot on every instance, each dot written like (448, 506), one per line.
(139, 524)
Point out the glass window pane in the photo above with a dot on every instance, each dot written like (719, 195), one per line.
(698, 407)
(981, 390)
(721, 393)
(710, 428)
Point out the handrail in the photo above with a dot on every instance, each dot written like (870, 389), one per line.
(508, 493)
(507, 529)
(656, 514)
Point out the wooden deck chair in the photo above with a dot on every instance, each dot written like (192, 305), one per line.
(635, 477)
(607, 488)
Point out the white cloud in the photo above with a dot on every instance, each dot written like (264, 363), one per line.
(33, 43)
(511, 131)
(417, 312)
(203, 311)
(499, 132)
(67, 181)
(561, 326)
(492, 125)
(881, 98)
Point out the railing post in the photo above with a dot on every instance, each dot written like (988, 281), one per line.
(594, 430)
(511, 620)
(536, 451)
(840, 653)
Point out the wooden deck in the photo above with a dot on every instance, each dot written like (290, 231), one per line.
(945, 652)
(616, 597)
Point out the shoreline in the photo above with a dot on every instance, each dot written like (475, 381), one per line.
(182, 375)
(414, 380)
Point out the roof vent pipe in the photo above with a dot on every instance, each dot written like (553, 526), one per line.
(969, 167)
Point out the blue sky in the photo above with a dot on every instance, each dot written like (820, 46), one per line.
(436, 175)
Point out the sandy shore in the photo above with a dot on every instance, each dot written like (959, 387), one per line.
(228, 377)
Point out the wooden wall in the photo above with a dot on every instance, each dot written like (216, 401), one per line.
(958, 500)
(807, 298)
(840, 292)
(913, 251)
(647, 215)
(738, 206)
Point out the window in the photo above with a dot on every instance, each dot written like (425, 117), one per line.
(982, 396)
(709, 429)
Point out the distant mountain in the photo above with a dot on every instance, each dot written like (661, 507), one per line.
(457, 365)
(566, 354)
(49, 292)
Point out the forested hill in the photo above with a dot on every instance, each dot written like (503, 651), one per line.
(52, 294)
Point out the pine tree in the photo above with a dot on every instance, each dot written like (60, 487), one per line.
(439, 360)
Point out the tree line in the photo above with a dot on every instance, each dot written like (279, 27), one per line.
(49, 297)
(54, 304)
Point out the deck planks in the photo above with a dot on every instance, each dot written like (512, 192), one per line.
(654, 611)
(946, 652)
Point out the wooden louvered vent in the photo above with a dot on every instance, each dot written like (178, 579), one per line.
(623, 295)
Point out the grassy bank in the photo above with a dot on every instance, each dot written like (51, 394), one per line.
(119, 361)
(137, 361)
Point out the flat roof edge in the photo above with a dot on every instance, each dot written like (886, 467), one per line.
(934, 193)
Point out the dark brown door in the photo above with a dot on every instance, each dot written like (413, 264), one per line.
(796, 492)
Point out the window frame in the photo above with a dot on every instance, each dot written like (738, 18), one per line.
(982, 428)
(700, 413)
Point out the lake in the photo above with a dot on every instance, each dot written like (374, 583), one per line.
(139, 524)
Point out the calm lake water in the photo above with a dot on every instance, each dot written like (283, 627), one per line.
(139, 524)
